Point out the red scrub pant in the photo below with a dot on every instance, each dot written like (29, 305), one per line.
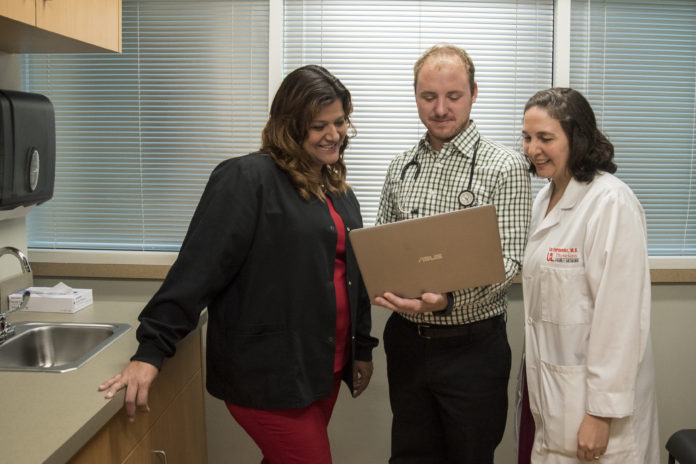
(291, 436)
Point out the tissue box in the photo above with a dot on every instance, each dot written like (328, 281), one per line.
(72, 302)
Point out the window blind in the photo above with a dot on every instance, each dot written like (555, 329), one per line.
(137, 134)
(372, 47)
(636, 63)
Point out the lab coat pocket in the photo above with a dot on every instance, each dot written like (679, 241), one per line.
(565, 296)
(563, 406)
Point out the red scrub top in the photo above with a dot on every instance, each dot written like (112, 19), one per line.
(342, 305)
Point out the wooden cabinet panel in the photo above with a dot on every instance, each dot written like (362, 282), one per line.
(61, 26)
(177, 434)
(118, 438)
(91, 21)
(180, 432)
(19, 10)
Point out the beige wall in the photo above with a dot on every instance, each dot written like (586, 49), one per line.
(12, 231)
(359, 428)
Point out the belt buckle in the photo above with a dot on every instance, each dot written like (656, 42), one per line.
(420, 332)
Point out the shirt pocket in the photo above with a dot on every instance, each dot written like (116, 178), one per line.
(565, 296)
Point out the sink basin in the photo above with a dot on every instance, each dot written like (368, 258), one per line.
(56, 347)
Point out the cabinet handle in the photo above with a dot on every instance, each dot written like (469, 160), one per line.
(161, 453)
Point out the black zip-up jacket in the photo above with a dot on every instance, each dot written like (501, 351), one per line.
(261, 259)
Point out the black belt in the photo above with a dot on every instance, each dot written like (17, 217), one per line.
(443, 331)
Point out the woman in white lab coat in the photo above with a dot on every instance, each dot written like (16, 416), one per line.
(589, 368)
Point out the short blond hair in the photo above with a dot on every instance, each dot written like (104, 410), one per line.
(444, 49)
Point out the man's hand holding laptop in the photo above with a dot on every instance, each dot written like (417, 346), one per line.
(427, 303)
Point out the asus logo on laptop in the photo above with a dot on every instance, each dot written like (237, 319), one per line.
(427, 259)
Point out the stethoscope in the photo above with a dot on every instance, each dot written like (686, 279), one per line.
(466, 197)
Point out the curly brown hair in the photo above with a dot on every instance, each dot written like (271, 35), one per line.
(299, 99)
(589, 149)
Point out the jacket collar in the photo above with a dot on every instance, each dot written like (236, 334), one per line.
(574, 192)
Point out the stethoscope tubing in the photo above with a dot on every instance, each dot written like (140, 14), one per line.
(466, 198)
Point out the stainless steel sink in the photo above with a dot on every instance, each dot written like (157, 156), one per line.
(56, 347)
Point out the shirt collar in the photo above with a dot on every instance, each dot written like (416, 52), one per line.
(462, 144)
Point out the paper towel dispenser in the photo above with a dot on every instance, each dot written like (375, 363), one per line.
(27, 149)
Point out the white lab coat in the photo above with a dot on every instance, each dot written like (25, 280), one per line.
(586, 284)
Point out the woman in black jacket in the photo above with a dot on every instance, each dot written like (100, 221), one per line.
(267, 252)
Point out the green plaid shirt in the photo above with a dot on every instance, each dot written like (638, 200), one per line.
(500, 178)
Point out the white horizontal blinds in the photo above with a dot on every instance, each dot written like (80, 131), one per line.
(635, 62)
(139, 133)
(372, 47)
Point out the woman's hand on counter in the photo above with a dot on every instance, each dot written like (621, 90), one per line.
(136, 378)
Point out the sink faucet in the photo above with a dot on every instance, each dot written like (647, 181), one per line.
(23, 261)
(9, 286)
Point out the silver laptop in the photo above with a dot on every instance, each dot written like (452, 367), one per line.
(439, 253)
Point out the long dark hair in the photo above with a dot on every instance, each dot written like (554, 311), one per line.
(299, 99)
(590, 150)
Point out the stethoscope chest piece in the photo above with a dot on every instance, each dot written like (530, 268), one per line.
(466, 198)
